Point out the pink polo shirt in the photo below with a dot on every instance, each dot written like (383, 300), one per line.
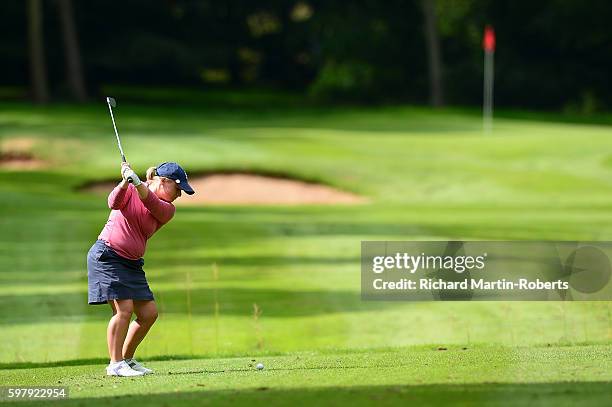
(133, 221)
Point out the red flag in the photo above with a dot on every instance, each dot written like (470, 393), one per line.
(488, 42)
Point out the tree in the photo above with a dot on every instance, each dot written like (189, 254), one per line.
(436, 92)
(38, 71)
(74, 69)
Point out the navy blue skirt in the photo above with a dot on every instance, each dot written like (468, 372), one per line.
(112, 277)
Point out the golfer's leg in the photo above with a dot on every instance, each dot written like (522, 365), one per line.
(146, 314)
(118, 327)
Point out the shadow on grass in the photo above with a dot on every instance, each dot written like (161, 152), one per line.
(33, 308)
(205, 262)
(85, 362)
(161, 358)
(490, 394)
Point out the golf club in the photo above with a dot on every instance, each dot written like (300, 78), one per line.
(112, 103)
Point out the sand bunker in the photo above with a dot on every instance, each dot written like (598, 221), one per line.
(15, 154)
(250, 189)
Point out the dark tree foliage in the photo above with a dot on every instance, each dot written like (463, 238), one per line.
(550, 53)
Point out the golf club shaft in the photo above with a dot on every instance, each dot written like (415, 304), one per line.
(116, 133)
(110, 109)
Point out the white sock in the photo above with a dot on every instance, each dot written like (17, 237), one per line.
(114, 364)
(128, 360)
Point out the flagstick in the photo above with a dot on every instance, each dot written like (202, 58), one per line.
(487, 111)
(488, 44)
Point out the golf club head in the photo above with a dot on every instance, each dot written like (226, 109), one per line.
(111, 102)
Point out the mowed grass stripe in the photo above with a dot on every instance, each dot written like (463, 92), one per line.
(580, 374)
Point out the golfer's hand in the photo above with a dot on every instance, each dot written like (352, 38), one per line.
(124, 168)
(130, 176)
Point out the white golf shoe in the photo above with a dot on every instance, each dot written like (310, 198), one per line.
(121, 369)
(133, 363)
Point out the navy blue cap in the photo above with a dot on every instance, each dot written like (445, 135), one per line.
(175, 172)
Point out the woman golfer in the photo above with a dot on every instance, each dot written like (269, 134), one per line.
(114, 262)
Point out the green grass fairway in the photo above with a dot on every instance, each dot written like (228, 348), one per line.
(429, 175)
(570, 376)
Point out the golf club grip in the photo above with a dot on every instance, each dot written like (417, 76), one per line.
(128, 179)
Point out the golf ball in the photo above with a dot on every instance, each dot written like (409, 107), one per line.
(260, 366)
